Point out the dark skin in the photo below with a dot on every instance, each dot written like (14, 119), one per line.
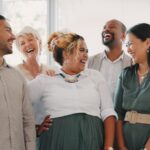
(114, 48)
(44, 126)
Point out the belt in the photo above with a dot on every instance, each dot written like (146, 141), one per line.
(135, 117)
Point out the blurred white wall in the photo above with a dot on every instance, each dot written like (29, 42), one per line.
(87, 17)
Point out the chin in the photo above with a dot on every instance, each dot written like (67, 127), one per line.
(135, 61)
(81, 69)
(9, 52)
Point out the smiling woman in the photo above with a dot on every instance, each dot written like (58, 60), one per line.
(75, 110)
(29, 43)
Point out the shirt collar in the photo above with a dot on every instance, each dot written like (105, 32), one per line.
(59, 71)
(4, 65)
(104, 55)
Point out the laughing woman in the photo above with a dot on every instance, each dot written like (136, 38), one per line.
(29, 43)
(133, 93)
(77, 99)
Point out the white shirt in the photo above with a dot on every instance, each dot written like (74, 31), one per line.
(56, 97)
(111, 71)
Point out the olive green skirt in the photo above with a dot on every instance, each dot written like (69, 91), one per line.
(74, 132)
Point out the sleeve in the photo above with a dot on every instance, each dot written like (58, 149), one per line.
(28, 121)
(106, 103)
(118, 97)
(36, 92)
(90, 62)
(36, 89)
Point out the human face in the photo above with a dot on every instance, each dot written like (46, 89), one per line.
(75, 63)
(136, 48)
(29, 45)
(112, 33)
(6, 38)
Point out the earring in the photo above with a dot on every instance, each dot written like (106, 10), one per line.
(148, 50)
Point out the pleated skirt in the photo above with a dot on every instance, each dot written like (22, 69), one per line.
(136, 135)
(74, 132)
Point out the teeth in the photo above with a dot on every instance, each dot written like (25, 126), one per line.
(83, 61)
(107, 35)
(29, 50)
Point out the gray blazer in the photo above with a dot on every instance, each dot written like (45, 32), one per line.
(95, 61)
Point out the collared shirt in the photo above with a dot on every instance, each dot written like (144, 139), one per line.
(111, 71)
(56, 97)
(109, 68)
(17, 126)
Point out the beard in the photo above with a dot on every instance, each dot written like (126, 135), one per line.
(5, 48)
(110, 41)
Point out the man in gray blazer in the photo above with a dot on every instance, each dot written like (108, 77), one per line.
(113, 59)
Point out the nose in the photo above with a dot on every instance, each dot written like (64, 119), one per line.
(106, 28)
(129, 50)
(13, 37)
(86, 54)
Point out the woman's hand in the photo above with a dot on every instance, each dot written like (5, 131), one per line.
(50, 72)
(147, 146)
(47, 122)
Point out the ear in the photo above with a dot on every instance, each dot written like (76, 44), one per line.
(123, 36)
(148, 43)
(65, 55)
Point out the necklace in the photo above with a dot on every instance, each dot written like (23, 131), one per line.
(70, 79)
(143, 75)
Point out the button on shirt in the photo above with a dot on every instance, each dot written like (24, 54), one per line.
(56, 97)
(17, 126)
(111, 71)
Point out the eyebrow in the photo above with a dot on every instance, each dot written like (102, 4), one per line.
(6, 27)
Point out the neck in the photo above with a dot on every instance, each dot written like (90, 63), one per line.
(143, 68)
(68, 71)
(114, 53)
(33, 67)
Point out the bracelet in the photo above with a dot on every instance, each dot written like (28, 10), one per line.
(108, 148)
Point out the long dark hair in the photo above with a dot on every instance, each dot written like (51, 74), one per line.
(142, 31)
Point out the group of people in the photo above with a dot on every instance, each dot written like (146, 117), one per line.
(87, 103)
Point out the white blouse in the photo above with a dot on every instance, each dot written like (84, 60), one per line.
(56, 97)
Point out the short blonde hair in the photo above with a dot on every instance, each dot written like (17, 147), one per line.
(28, 30)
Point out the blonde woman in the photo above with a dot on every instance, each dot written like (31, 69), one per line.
(29, 42)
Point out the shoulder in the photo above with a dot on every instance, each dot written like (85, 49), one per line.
(95, 56)
(15, 75)
(128, 71)
(16, 71)
(94, 74)
(94, 60)
(42, 77)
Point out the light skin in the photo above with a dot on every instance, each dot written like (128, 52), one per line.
(138, 50)
(29, 46)
(6, 39)
(74, 64)
(113, 27)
